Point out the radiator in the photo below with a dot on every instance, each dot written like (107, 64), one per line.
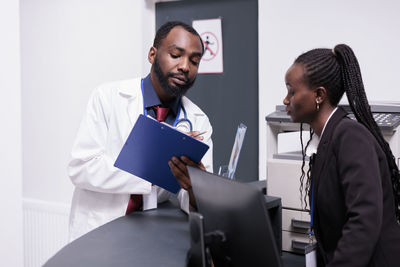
(45, 226)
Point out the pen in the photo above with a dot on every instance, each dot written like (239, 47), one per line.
(199, 134)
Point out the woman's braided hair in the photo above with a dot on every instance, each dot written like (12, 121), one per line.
(338, 71)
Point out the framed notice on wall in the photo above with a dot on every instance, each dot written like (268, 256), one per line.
(211, 33)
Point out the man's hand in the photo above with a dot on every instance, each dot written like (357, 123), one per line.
(179, 170)
(196, 135)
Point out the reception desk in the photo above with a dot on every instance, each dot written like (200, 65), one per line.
(157, 237)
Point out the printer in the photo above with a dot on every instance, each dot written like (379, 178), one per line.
(284, 168)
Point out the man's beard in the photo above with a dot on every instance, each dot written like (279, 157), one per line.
(163, 80)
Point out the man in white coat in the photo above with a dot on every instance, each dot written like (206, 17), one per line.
(102, 192)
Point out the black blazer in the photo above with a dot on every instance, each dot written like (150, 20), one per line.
(354, 218)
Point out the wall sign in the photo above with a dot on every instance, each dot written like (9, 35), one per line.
(211, 33)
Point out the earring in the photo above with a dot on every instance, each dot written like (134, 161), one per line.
(317, 104)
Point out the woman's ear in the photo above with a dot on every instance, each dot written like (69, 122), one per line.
(152, 54)
(320, 94)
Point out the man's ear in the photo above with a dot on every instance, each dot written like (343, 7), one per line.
(321, 94)
(152, 55)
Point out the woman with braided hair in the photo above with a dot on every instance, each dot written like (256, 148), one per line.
(353, 184)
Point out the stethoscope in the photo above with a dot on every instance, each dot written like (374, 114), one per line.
(183, 124)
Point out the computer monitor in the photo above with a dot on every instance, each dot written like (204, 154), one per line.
(238, 211)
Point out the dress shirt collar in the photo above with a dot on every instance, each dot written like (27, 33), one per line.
(313, 145)
(151, 98)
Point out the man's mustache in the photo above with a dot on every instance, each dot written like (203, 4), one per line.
(180, 76)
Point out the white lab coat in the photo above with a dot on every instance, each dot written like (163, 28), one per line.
(102, 191)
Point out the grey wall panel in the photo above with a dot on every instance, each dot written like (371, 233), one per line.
(231, 97)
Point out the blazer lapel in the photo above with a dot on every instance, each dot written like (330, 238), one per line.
(320, 158)
(319, 162)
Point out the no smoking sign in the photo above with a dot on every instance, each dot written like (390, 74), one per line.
(211, 45)
(211, 34)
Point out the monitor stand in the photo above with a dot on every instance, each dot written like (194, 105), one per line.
(199, 254)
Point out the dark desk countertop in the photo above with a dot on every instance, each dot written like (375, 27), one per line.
(157, 237)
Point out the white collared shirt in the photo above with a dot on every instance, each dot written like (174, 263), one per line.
(313, 145)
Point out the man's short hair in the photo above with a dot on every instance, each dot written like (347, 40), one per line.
(163, 31)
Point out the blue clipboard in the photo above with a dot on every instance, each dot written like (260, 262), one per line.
(150, 146)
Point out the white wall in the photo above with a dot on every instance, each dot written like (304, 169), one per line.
(68, 48)
(288, 28)
(10, 136)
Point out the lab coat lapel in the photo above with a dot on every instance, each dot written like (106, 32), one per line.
(132, 91)
(131, 105)
(134, 109)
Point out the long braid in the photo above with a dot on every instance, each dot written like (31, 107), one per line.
(303, 173)
(357, 98)
(305, 186)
